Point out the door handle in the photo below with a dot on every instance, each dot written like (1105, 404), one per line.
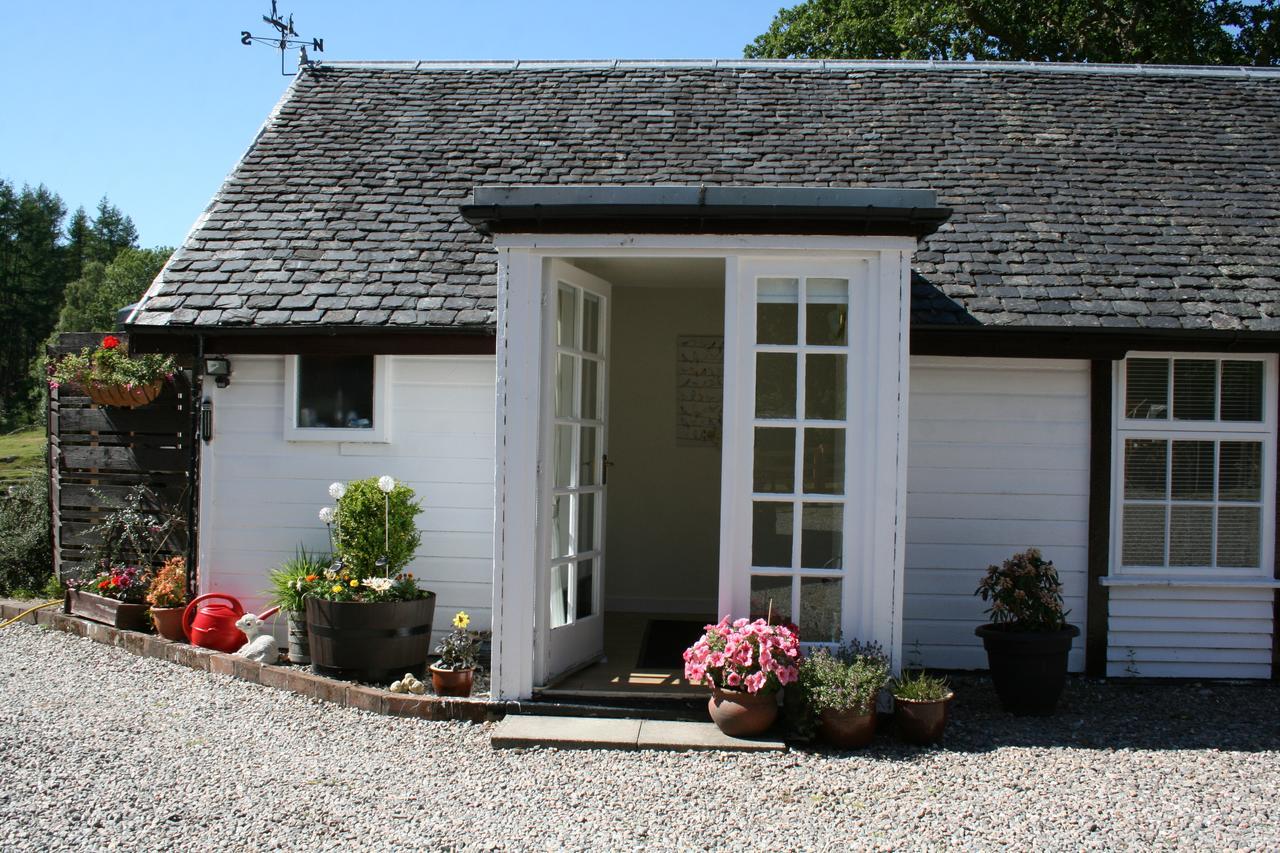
(604, 469)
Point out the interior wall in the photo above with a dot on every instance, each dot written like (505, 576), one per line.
(663, 515)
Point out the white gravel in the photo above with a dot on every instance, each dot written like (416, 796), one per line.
(104, 750)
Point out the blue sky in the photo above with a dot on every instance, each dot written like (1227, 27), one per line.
(151, 103)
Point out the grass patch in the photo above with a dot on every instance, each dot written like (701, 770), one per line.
(20, 452)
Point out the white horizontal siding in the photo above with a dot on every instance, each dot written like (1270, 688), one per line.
(998, 461)
(1189, 632)
(260, 494)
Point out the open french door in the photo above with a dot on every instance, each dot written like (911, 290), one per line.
(573, 476)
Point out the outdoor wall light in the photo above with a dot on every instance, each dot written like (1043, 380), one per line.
(219, 369)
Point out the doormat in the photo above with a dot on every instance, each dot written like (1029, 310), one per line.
(665, 641)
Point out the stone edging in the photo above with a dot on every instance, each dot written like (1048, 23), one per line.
(294, 679)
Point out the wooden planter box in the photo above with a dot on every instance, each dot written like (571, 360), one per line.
(117, 614)
(375, 643)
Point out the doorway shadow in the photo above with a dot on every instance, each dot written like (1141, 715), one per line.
(1106, 716)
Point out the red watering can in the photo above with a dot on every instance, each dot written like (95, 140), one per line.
(214, 626)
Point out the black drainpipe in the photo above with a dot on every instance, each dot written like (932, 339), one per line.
(194, 402)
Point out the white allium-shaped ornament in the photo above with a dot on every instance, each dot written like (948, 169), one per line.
(386, 483)
(326, 514)
(337, 490)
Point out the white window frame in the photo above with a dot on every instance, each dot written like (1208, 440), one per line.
(1172, 430)
(379, 434)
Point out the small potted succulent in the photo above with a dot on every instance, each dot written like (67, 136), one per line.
(167, 596)
(746, 664)
(115, 596)
(920, 703)
(839, 689)
(454, 673)
(1028, 638)
(110, 376)
(290, 584)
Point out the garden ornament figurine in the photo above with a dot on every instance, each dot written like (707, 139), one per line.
(261, 647)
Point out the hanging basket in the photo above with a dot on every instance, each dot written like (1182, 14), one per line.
(122, 397)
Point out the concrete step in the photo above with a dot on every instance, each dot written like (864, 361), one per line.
(523, 731)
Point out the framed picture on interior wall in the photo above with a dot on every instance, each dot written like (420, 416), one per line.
(699, 389)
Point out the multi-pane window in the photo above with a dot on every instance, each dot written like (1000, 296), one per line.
(578, 414)
(1196, 455)
(798, 468)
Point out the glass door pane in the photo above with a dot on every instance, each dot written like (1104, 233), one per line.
(801, 356)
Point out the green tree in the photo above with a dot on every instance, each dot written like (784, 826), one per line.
(1211, 32)
(31, 285)
(79, 235)
(111, 231)
(92, 300)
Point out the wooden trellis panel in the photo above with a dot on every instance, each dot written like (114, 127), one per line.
(97, 453)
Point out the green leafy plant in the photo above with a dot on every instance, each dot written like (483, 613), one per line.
(849, 678)
(919, 686)
(460, 648)
(109, 364)
(295, 577)
(1025, 593)
(139, 531)
(369, 524)
(374, 535)
(26, 555)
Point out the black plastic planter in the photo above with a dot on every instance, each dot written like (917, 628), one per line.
(374, 643)
(1028, 668)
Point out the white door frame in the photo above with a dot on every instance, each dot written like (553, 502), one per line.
(521, 354)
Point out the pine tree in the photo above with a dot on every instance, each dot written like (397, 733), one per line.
(31, 286)
(111, 231)
(79, 235)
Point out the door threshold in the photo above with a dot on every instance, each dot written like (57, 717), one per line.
(559, 693)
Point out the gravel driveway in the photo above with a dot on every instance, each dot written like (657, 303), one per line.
(104, 750)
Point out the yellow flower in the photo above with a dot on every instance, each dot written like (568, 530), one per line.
(462, 620)
(355, 582)
(336, 588)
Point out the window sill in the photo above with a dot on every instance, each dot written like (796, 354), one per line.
(1189, 581)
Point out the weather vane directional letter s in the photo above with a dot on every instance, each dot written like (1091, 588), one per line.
(287, 37)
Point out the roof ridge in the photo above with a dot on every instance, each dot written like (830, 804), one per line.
(818, 65)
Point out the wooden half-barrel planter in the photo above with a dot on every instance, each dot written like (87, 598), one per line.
(373, 642)
(118, 614)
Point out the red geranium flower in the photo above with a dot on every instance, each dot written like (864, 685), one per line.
(110, 342)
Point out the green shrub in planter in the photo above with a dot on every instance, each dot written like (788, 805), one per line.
(369, 523)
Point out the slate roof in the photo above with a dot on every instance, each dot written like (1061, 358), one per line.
(1081, 195)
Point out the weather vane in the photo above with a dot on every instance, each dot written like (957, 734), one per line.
(282, 41)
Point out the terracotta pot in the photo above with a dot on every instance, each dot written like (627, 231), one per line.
(1028, 668)
(118, 614)
(921, 721)
(452, 682)
(741, 714)
(168, 622)
(374, 642)
(848, 729)
(124, 398)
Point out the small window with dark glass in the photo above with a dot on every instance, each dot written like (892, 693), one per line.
(335, 392)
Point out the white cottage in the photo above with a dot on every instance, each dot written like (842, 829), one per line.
(660, 341)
